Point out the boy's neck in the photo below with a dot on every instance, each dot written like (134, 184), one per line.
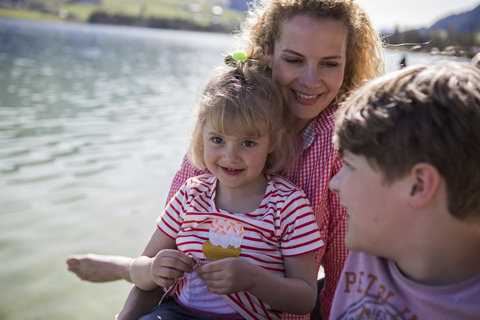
(445, 253)
(241, 200)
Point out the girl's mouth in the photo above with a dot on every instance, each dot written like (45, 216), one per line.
(231, 172)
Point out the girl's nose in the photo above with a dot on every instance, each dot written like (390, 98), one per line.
(231, 153)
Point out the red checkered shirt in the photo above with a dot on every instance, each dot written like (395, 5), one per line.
(316, 163)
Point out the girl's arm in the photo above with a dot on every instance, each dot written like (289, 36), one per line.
(296, 293)
(158, 266)
(103, 268)
(160, 263)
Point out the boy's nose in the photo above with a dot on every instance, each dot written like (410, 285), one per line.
(335, 183)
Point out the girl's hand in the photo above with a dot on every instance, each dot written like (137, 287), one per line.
(169, 265)
(228, 275)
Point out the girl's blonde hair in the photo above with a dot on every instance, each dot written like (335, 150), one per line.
(365, 60)
(244, 101)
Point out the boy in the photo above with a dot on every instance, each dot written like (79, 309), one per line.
(411, 186)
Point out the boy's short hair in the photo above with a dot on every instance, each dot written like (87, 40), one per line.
(420, 114)
(244, 101)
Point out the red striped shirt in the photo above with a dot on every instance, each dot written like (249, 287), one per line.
(283, 225)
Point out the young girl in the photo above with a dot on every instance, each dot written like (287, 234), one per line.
(237, 242)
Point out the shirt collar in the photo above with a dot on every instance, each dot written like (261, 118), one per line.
(324, 121)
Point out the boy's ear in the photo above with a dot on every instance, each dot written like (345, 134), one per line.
(424, 184)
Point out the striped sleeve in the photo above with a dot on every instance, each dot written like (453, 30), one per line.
(170, 221)
(300, 233)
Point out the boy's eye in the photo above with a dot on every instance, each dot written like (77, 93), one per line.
(248, 143)
(217, 140)
(347, 164)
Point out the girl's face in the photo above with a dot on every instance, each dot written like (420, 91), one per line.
(236, 161)
(308, 63)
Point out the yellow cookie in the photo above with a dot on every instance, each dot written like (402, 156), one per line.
(214, 253)
(225, 239)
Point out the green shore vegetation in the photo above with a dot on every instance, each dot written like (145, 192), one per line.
(181, 14)
(208, 15)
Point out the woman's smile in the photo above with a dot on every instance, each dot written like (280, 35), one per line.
(306, 99)
(309, 66)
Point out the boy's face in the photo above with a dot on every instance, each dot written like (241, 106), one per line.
(376, 215)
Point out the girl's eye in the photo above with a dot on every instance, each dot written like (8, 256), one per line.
(217, 140)
(248, 143)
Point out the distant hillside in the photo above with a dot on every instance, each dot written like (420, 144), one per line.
(457, 35)
(464, 22)
(205, 15)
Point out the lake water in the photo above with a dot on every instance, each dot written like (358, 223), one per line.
(93, 126)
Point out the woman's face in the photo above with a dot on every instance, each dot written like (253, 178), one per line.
(308, 63)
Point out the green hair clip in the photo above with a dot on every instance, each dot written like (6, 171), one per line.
(239, 56)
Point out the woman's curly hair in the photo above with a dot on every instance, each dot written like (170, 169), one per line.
(365, 60)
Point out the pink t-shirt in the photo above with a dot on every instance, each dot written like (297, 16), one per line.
(374, 288)
(282, 226)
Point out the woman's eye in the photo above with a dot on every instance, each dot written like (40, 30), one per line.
(331, 64)
(293, 60)
(248, 143)
(217, 140)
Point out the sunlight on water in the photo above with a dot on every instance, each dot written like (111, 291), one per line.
(93, 125)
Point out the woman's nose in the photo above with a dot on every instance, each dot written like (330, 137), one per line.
(311, 78)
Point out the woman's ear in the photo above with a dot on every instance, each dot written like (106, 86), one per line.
(425, 180)
(275, 140)
(267, 54)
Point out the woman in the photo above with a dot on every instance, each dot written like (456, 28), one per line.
(317, 51)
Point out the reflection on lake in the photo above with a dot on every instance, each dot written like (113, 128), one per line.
(93, 123)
